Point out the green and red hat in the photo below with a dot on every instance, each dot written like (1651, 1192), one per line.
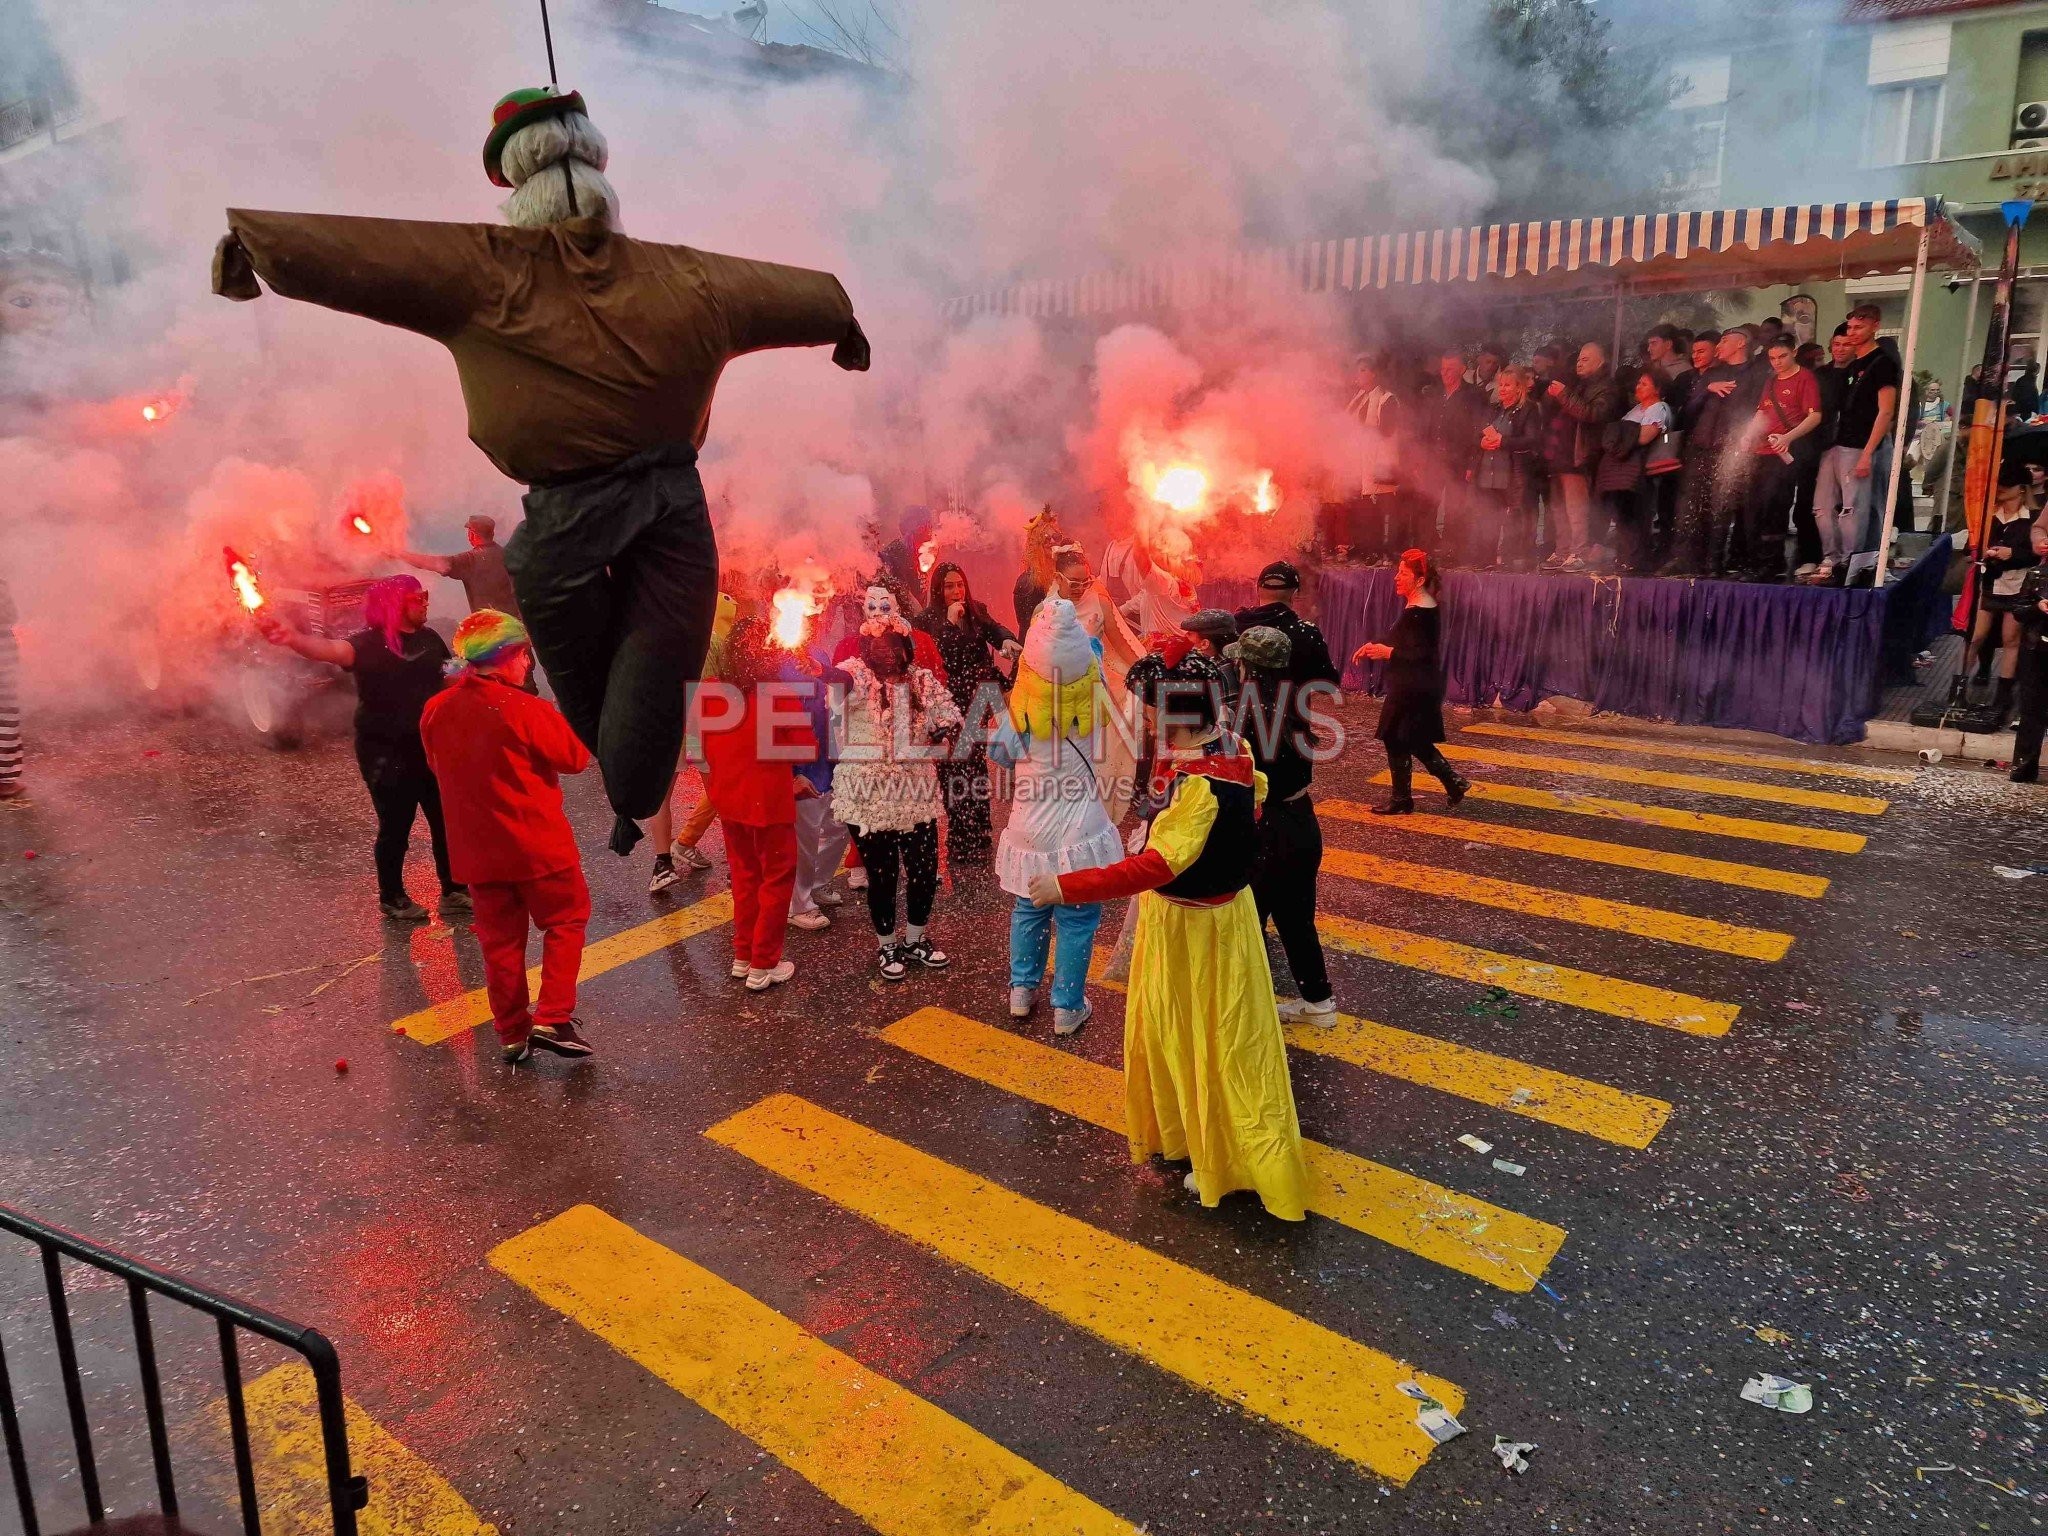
(514, 111)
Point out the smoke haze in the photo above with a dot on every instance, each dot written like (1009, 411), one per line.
(1041, 140)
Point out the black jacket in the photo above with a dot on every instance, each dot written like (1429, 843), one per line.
(1446, 428)
(1712, 421)
(1578, 417)
(1514, 468)
(1287, 767)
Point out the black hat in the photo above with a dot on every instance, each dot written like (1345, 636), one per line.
(1280, 576)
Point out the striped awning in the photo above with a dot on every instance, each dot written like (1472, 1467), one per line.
(1717, 248)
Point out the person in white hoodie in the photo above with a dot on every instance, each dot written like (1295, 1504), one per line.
(1058, 823)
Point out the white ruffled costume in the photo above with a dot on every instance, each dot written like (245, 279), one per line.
(1057, 821)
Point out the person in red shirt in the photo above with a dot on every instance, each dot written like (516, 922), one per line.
(753, 739)
(497, 753)
(1787, 423)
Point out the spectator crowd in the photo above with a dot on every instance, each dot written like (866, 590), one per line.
(1742, 454)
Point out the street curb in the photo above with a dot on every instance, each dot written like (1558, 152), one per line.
(1878, 735)
(1901, 736)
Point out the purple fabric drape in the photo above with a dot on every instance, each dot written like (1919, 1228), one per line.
(1800, 662)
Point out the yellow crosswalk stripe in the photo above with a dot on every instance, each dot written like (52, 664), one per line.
(1656, 778)
(900, 1464)
(1755, 877)
(1782, 833)
(459, 1015)
(1531, 978)
(1499, 1082)
(1695, 754)
(407, 1497)
(1333, 1391)
(1472, 1236)
(1562, 906)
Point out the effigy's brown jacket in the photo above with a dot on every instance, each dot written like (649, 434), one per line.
(576, 347)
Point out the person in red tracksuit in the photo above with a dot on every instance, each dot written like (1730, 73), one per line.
(752, 746)
(497, 753)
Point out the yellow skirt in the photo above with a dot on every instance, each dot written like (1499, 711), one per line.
(1205, 1065)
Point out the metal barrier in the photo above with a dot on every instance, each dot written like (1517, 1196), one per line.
(346, 1492)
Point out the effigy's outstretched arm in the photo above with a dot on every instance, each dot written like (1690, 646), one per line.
(418, 275)
(766, 304)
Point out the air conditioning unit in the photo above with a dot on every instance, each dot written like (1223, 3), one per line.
(2029, 121)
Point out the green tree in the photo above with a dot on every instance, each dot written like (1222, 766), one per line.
(1569, 120)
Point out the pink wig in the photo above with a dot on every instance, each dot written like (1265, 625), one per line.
(384, 607)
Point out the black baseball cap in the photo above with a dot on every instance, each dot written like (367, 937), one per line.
(1280, 576)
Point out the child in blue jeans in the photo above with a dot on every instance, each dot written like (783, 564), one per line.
(1057, 822)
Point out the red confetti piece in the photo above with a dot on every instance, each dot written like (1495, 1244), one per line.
(341, 1065)
(28, 853)
(398, 1029)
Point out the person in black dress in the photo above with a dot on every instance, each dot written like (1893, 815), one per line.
(2008, 555)
(969, 642)
(1412, 718)
(398, 664)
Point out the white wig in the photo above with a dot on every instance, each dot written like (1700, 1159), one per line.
(544, 160)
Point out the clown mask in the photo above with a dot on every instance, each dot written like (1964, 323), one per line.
(879, 612)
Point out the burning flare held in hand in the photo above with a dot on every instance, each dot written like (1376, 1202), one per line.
(243, 575)
(794, 609)
(361, 524)
(1183, 488)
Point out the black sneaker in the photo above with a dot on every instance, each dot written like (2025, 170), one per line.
(889, 961)
(921, 952)
(456, 903)
(405, 910)
(562, 1039)
(664, 874)
(1457, 790)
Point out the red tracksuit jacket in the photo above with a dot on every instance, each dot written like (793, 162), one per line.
(753, 780)
(497, 752)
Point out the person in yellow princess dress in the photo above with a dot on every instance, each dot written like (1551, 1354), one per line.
(1205, 1065)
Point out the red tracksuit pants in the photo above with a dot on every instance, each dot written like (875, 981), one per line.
(762, 861)
(558, 905)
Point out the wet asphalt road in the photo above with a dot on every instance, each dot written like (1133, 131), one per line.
(1848, 1190)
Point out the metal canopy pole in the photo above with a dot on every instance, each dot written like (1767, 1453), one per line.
(1956, 438)
(1891, 497)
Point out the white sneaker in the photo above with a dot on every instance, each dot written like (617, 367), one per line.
(761, 981)
(741, 970)
(1192, 1184)
(1022, 1001)
(1806, 570)
(1068, 1021)
(828, 899)
(856, 879)
(690, 857)
(810, 922)
(1825, 571)
(1299, 1010)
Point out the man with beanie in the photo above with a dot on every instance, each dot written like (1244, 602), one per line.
(1287, 668)
(498, 753)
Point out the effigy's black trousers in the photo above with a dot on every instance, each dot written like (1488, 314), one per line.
(617, 573)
